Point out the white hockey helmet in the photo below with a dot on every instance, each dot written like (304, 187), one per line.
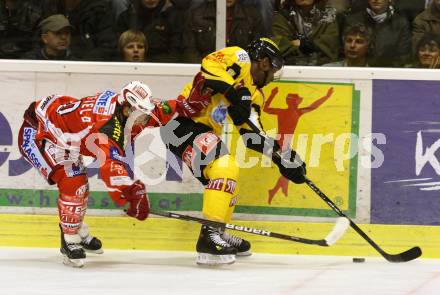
(138, 95)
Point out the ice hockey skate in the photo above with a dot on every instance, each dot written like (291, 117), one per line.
(89, 243)
(73, 252)
(212, 249)
(243, 247)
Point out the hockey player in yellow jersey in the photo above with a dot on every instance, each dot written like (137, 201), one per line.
(232, 78)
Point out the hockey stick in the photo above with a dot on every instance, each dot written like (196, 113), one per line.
(337, 232)
(405, 256)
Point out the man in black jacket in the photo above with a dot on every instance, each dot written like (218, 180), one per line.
(94, 37)
(56, 39)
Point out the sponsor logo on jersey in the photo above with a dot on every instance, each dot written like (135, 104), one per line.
(120, 180)
(103, 103)
(117, 130)
(242, 56)
(29, 147)
(75, 170)
(206, 142)
(45, 103)
(51, 151)
(32, 152)
(166, 107)
(82, 190)
(114, 154)
(217, 56)
(116, 167)
(188, 155)
(219, 113)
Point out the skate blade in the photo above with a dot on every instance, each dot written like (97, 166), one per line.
(214, 260)
(244, 254)
(73, 262)
(99, 251)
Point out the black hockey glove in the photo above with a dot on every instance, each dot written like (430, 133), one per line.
(239, 113)
(240, 108)
(291, 166)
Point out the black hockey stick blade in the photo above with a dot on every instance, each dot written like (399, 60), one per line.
(405, 256)
(337, 232)
(408, 255)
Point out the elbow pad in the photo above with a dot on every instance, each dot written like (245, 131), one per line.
(264, 145)
(238, 96)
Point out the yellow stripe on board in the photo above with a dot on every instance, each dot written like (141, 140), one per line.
(170, 234)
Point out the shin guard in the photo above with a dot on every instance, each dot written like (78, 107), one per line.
(221, 192)
(72, 203)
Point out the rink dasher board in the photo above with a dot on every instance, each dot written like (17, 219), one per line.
(120, 232)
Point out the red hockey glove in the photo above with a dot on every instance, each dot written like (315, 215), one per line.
(136, 195)
(197, 100)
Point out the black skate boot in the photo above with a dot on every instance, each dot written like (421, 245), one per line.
(72, 250)
(243, 247)
(89, 243)
(212, 249)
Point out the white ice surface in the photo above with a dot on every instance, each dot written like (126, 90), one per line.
(40, 271)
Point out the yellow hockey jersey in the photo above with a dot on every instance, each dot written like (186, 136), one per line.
(230, 65)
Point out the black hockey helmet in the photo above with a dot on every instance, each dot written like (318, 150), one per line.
(262, 47)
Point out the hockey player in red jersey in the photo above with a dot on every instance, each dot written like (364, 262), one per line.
(59, 130)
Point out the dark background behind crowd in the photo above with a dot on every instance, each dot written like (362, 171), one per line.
(382, 33)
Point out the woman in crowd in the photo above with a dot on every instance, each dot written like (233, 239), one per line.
(427, 54)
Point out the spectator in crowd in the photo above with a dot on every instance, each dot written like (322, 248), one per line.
(307, 32)
(55, 39)
(161, 24)
(182, 4)
(94, 37)
(18, 22)
(392, 35)
(266, 9)
(407, 8)
(427, 52)
(358, 41)
(243, 24)
(341, 6)
(427, 22)
(357, 5)
(119, 6)
(410, 8)
(132, 46)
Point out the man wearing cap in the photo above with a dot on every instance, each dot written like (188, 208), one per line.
(94, 37)
(55, 39)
